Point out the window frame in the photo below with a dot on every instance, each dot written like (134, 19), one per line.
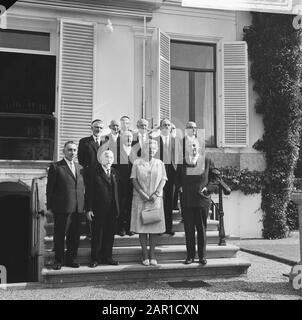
(192, 72)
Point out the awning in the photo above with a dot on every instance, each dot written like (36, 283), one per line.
(276, 6)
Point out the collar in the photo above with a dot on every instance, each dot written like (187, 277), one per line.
(127, 149)
(68, 161)
(95, 138)
(114, 136)
(105, 169)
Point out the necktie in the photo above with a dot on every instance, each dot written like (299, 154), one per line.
(98, 142)
(108, 173)
(72, 168)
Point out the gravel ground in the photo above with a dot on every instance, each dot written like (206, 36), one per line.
(264, 281)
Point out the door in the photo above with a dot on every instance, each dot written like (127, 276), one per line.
(37, 209)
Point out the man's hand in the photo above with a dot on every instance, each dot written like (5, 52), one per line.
(49, 212)
(204, 191)
(89, 215)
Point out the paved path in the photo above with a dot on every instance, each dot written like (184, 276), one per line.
(264, 281)
(283, 250)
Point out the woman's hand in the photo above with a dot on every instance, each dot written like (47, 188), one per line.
(153, 197)
(144, 196)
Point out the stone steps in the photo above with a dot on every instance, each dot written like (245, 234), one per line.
(127, 241)
(163, 252)
(212, 225)
(125, 272)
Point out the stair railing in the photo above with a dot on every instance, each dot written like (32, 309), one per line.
(223, 188)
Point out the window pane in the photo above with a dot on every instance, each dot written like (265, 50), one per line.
(204, 105)
(25, 40)
(180, 98)
(194, 56)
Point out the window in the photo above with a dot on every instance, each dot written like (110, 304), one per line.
(16, 39)
(193, 78)
(27, 103)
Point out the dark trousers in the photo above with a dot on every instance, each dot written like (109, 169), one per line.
(102, 237)
(66, 225)
(168, 193)
(195, 218)
(125, 211)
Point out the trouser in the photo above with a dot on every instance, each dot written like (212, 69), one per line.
(125, 213)
(168, 205)
(195, 218)
(102, 237)
(66, 224)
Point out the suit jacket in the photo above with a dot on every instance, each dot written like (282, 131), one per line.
(137, 148)
(124, 169)
(87, 151)
(64, 191)
(167, 156)
(101, 191)
(114, 146)
(193, 182)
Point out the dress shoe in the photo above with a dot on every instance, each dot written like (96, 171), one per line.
(122, 233)
(93, 264)
(171, 233)
(72, 264)
(203, 261)
(146, 262)
(130, 233)
(57, 265)
(110, 262)
(188, 261)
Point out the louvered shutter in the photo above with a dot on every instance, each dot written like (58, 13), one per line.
(161, 106)
(235, 94)
(76, 84)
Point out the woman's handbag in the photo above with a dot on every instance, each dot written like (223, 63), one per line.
(150, 215)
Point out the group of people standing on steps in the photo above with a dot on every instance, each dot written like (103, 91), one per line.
(118, 179)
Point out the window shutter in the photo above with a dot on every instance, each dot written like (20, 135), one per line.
(161, 102)
(235, 94)
(76, 83)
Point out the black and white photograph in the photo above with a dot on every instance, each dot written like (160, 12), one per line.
(151, 153)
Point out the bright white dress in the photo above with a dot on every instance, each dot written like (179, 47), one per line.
(149, 175)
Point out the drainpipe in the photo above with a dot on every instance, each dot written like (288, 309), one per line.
(144, 70)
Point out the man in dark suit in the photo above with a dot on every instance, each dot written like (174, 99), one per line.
(140, 137)
(124, 167)
(103, 208)
(65, 200)
(166, 153)
(113, 141)
(195, 180)
(87, 153)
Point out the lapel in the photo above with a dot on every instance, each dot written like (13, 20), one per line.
(104, 175)
(66, 167)
(93, 144)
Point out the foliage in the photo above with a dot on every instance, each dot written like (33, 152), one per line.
(249, 182)
(276, 55)
(292, 216)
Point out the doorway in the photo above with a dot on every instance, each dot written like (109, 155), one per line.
(15, 231)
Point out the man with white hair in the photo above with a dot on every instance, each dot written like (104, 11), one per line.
(141, 137)
(103, 208)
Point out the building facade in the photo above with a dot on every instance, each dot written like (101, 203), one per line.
(67, 62)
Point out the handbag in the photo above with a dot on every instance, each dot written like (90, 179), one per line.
(150, 215)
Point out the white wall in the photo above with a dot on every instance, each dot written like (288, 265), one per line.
(242, 214)
(115, 72)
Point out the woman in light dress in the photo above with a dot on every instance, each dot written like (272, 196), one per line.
(149, 177)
